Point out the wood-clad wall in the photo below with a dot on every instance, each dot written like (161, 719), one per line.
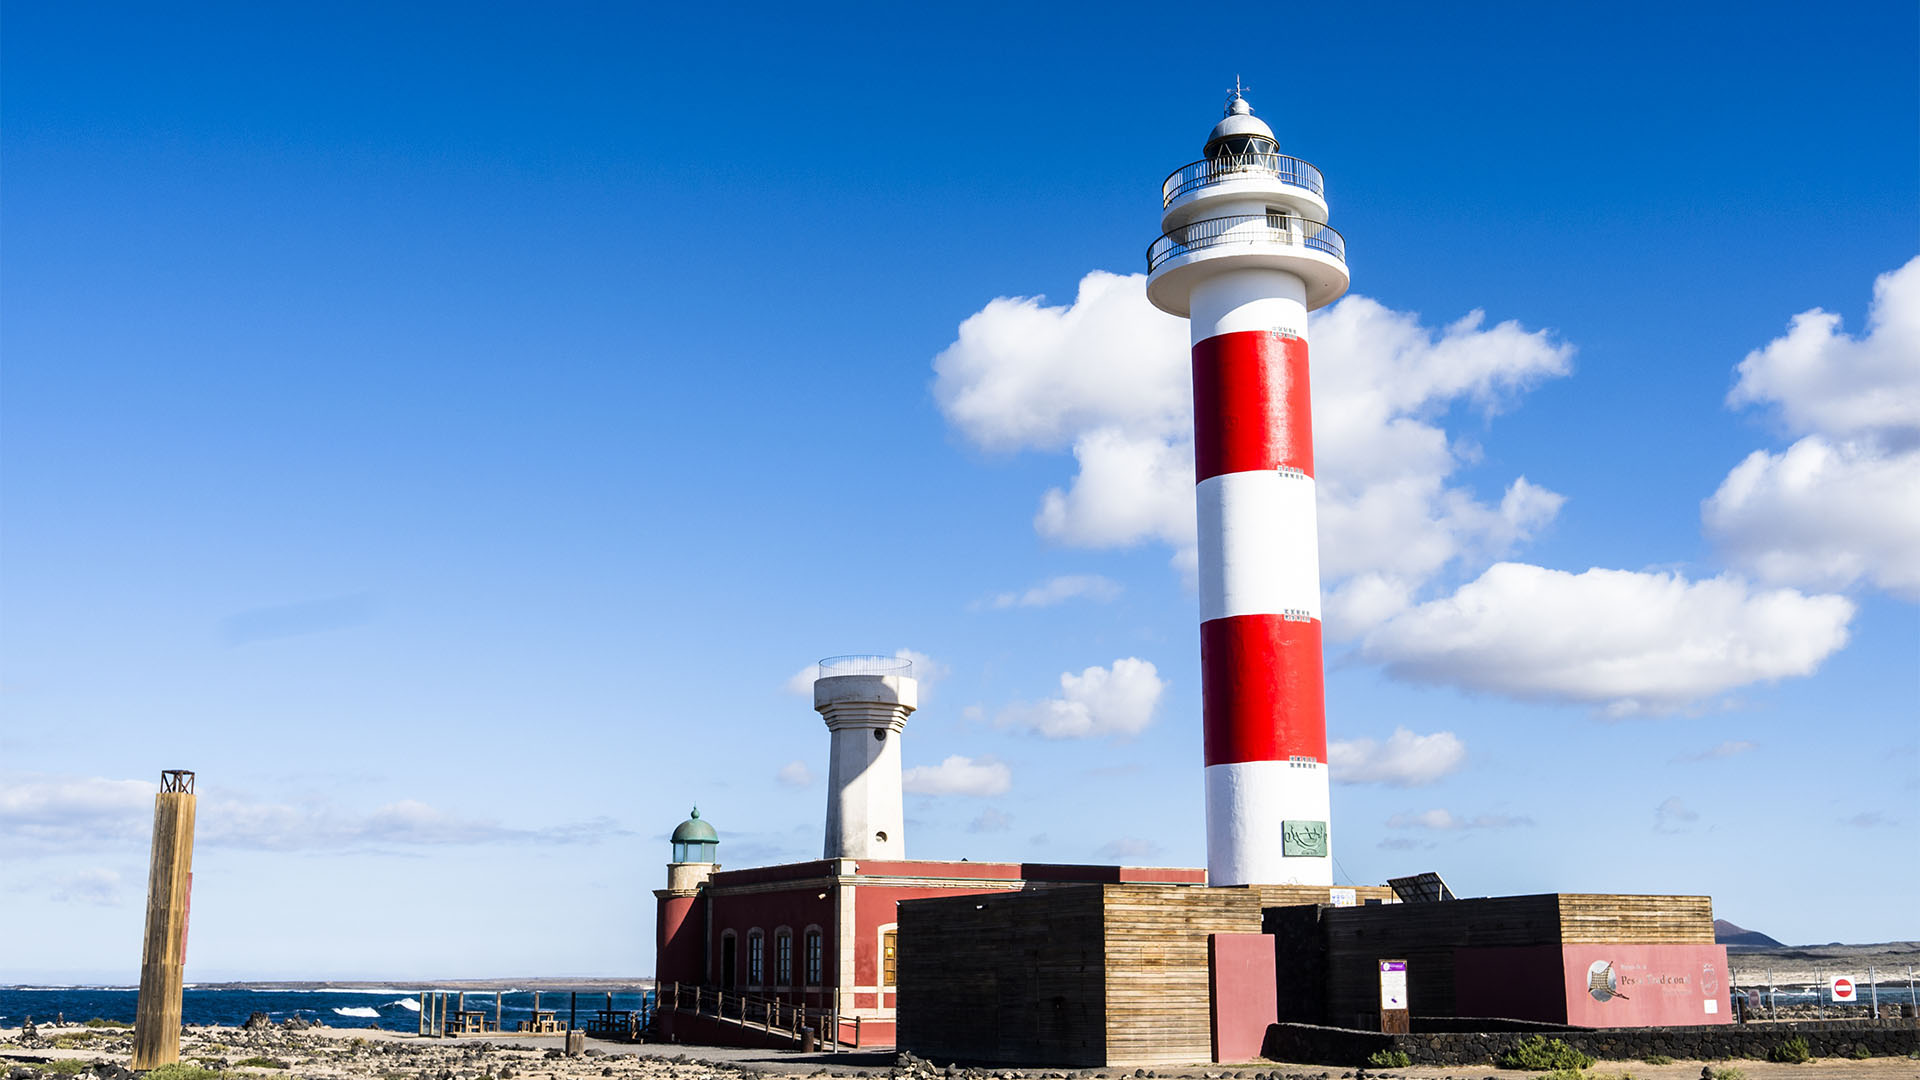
(1635, 920)
(1426, 935)
(1005, 979)
(1289, 895)
(1158, 999)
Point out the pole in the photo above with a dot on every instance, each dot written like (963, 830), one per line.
(1873, 990)
(573, 1010)
(1773, 1008)
(163, 955)
(423, 1012)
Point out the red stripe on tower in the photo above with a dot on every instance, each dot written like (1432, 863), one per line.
(1264, 696)
(1252, 408)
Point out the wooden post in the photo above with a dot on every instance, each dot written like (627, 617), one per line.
(163, 955)
(425, 1012)
(573, 1010)
(496, 1010)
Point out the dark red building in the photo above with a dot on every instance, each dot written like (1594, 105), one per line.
(823, 933)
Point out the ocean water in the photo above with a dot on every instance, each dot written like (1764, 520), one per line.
(393, 1008)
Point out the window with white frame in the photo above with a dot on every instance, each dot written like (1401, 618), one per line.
(756, 957)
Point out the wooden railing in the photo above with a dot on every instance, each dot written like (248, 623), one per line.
(767, 1014)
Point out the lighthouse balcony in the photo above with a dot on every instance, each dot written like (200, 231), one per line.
(1254, 170)
(1309, 250)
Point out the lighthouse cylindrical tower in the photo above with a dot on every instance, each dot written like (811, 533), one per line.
(865, 701)
(1245, 254)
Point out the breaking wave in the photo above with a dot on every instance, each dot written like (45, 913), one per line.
(355, 1010)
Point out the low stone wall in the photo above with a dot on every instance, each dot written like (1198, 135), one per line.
(1316, 1045)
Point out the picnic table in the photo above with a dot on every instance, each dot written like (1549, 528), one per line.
(467, 1022)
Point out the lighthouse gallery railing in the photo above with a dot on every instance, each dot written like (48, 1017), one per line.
(1245, 229)
(1287, 170)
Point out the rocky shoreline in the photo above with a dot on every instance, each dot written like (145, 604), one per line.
(294, 1052)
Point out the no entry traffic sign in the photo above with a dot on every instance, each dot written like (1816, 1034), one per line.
(1843, 989)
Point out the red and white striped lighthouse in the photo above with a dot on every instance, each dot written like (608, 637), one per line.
(1245, 254)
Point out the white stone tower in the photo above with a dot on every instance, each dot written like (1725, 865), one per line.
(1245, 254)
(865, 700)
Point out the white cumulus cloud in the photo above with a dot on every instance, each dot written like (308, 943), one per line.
(1842, 504)
(1118, 701)
(1824, 381)
(794, 774)
(1108, 378)
(959, 775)
(1629, 641)
(1403, 760)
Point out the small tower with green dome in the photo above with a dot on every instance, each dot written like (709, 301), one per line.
(695, 854)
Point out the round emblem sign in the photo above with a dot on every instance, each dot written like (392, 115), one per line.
(1843, 988)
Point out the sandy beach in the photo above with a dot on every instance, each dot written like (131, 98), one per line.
(319, 1053)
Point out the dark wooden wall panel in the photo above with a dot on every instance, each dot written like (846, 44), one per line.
(1005, 979)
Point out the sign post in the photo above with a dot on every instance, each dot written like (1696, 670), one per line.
(1395, 1019)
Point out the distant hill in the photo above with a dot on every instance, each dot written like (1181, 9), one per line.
(1726, 933)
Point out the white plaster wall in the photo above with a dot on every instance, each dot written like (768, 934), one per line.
(1247, 802)
(1259, 549)
(866, 715)
(1249, 298)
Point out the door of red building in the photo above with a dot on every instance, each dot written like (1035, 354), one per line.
(729, 957)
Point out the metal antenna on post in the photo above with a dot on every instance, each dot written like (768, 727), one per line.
(163, 955)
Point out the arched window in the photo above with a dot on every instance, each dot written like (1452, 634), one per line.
(783, 957)
(889, 955)
(815, 956)
(756, 957)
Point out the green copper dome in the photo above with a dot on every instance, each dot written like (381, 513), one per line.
(695, 831)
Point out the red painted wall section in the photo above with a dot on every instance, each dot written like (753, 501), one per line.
(875, 906)
(1654, 985)
(679, 941)
(1518, 982)
(1240, 976)
(795, 909)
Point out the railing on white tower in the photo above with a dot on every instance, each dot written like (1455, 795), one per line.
(865, 665)
(1246, 229)
(1287, 170)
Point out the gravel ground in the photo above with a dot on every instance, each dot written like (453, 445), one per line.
(361, 1054)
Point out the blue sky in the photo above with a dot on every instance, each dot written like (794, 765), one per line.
(449, 430)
